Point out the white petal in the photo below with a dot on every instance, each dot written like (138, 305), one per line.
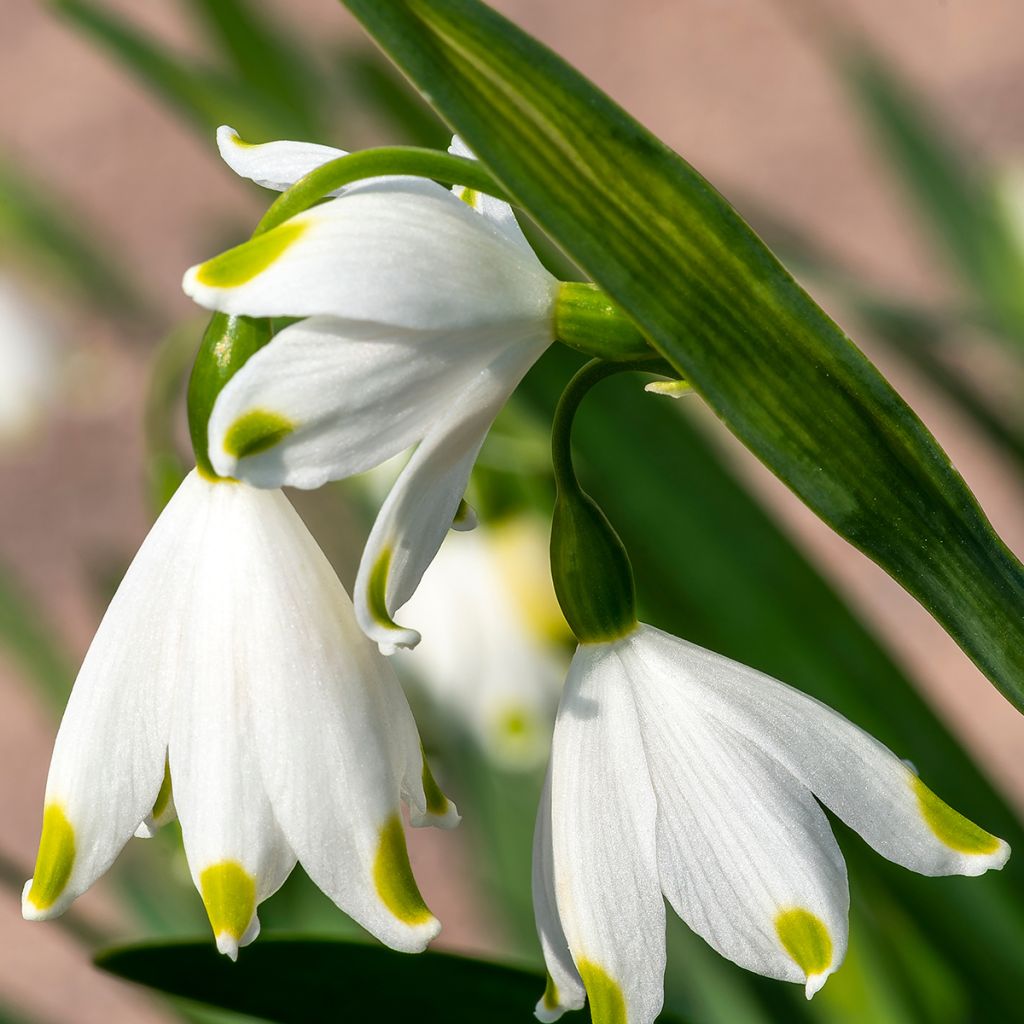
(564, 990)
(236, 851)
(746, 855)
(274, 165)
(334, 734)
(337, 398)
(857, 777)
(603, 821)
(279, 165)
(415, 259)
(108, 760)
(29, 355)
(480, 663)
(421, 506)
(495, 210)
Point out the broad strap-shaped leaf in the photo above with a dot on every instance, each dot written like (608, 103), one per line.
(715, 302)
(299, 980)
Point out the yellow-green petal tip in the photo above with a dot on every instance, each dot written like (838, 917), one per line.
(256, 431)
(229, 895)
(239, 265)
(54, 862)
(607, 1003)
(806, 939)
(393, 878)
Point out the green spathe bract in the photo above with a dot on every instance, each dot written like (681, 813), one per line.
(709, 295)
(589, 566)
(590, 569)
(227, 344)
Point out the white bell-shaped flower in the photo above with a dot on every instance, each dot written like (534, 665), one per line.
(678, 772)
(424, 310)
(492, 657)
(29, 371)
(230, 665)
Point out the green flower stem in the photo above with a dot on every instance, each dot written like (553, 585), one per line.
(374, 163)
(226, 345)
(588, 321)
(589, 564)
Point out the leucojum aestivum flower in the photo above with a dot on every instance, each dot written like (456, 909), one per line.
(675, 773)
(230, 684)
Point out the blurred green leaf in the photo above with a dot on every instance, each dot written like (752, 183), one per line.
(956, 205)
(719, 306)
(378, 88)
(267, 58)
(205, 97)
(10, 1015)
(35, 223)
(298, 980)
(163, 417)
(32, 643)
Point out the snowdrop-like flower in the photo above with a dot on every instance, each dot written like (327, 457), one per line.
(676, 771)
(424, 310)
(28, 363)
(488, 659)
(230, 663)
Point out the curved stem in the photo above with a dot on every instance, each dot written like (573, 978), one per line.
(374, 163)
(575, 391)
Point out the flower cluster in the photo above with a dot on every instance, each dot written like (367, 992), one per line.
(233, 682)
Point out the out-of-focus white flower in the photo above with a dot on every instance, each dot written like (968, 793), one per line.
(424, 311)
(678, 772)
(490, 657)
(28, 363)
(230, 662)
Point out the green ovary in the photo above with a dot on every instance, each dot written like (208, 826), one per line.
(256, 431)
(392, 876)
(607, 1004)
(950, 826)
(241, 264)
(229, 895)
(55, 859)
(806, 939)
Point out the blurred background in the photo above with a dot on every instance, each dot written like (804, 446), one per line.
(879, 148)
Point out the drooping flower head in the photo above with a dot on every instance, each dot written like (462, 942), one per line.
(492, 657)
(678, 774)
(230, 672)
(28, 363)
(424, 309)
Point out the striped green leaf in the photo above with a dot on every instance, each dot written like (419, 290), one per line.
(718, 305)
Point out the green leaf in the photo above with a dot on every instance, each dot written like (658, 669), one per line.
(36, 224)
(204, 97)
(375, 84)
(721, 308)
(298, 980)
(264, 56)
